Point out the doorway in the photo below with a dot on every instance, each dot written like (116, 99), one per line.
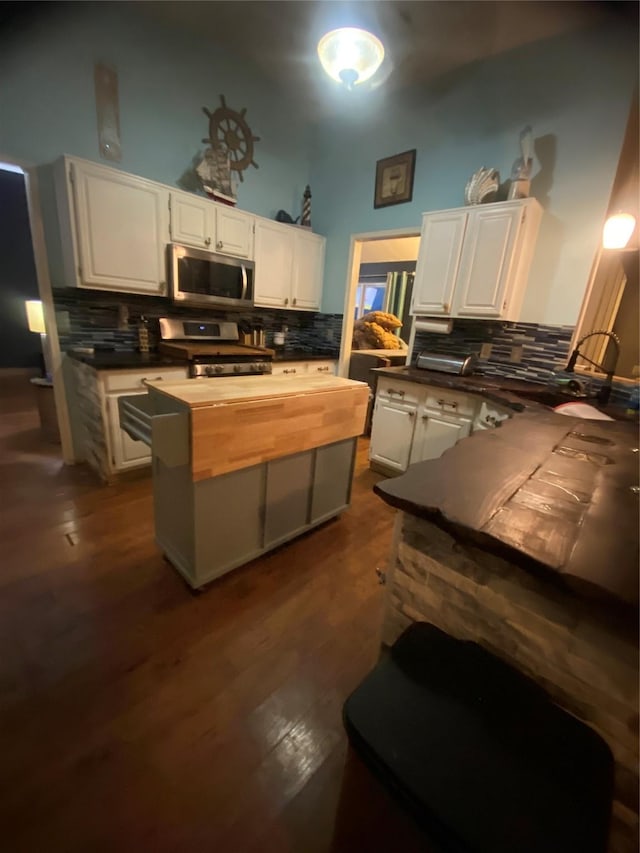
(379, 277)
(33, 354)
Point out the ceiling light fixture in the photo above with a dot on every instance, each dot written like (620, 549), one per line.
(350, 55)
(618, 230)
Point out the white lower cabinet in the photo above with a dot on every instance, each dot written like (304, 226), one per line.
(392, 434)
(307, 368)
(126, 453)
(99, 440)
(436, 433)
(413, 422)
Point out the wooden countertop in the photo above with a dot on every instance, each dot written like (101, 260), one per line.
(554, 492)
(237, 423)
(198, 393)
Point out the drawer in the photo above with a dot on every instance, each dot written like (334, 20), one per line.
(451, 402)
(326, 367)
(134, 380)
(289, 368)
(135, 413)
(402, 392)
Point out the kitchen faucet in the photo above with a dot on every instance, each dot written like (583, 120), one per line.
(605, 391)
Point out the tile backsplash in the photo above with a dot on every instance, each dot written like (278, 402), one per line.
(86, 318)
(542, 350)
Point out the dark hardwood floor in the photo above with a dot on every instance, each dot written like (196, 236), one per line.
(137, 715)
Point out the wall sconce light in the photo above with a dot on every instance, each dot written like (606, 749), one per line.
(617, 230)
(35, 316)
(350, 55)
(35, 321)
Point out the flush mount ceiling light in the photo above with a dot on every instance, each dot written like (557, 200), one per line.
(350, 55)
(617, 230)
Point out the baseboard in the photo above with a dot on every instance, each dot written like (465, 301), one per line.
(13, 372)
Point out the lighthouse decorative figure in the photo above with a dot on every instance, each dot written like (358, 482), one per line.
(306, 208)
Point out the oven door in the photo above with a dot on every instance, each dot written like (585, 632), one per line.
(206, 279)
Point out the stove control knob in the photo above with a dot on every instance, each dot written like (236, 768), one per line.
(237, 368)
(208, 370)
(218, 368)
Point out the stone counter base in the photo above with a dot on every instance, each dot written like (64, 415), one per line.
(588, 665)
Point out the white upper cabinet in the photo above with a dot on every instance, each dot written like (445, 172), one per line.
(193, 221)
(289, 266)
(274, 246)
(438, 262)
(234, 232)
(474, 261)
(114, 229)
(203, 223)
(308, 269)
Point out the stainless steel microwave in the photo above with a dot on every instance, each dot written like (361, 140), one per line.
(206, 279)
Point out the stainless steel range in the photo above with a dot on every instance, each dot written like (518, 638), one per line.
(211, 348)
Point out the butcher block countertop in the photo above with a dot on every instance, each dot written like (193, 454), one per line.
(554, 493)
(216, 391)
(237, 423)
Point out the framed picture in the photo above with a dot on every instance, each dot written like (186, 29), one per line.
(394, 179)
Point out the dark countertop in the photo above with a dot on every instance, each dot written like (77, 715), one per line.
(551, 493)
(125, 360)
(302, 355)
(132, 359)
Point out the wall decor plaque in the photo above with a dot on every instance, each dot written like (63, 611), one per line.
(394, 179)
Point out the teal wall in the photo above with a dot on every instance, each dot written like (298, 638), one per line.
(47, 104)
(574, 90)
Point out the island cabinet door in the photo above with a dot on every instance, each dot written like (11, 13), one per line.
(391, 435)
(333, 472)
(289, 482)
(436, 433)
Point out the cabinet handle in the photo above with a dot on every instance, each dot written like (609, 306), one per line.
(444, 403)
(393, 391)
(207, 242)
(321, 369)
(411, 414)
(446, 307)
(286, 301)
(290, 370)
(219, 244)
(295, 301)
(146, 379)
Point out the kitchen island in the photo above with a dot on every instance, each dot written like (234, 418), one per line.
(525, 540)
(242, 465)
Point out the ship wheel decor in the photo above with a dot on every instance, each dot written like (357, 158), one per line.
(229, 128)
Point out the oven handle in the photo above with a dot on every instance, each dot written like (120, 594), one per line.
(244, 282)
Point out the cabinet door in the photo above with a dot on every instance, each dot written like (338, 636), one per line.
(289, 482)
(193, 221)
(391, 435)
(120, 225)
(234, 232)
(438, 262)
(308, 271)
(489, 249)
(274, 264)
(436, 433)
(126, 452)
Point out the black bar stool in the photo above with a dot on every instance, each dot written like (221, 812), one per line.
(476, 753)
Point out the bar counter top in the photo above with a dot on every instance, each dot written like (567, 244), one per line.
(557, 494)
